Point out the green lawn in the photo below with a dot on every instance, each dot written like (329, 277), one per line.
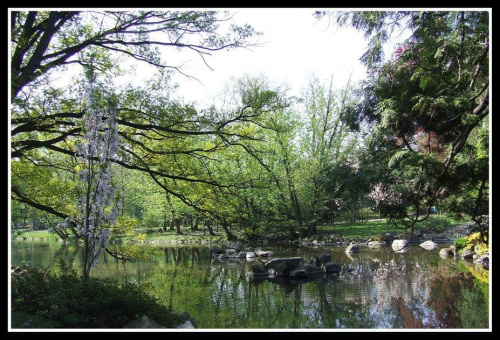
(35, 234)
(376, 227)
(360, 230)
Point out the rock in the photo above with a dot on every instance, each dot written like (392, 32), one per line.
(376, 244)
(250, 254)
(485, 261)
(242, 254)
(222, 257)
(215, 250)
(332, 268)
(259, 270)
(189, 322)
(28, 324)
(429, 245)
(389, 237)
(142, 322)
(454, 250)
(467, 253)
(323, 259)
(274, 263)
(306, 270)
(314, 260)
(231, 252)
(237, 245)
(186, 324)
(283, 269)
(399, 244)
(352, 248)
(445, 252)
(264, 253)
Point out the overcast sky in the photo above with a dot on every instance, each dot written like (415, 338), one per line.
(294, 45)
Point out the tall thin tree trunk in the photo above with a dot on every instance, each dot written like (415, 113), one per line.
(174, 217)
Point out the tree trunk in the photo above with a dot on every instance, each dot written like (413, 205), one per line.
(174, 217)
(196, 222)
(230, 236)
(178, 226)
(210, 230)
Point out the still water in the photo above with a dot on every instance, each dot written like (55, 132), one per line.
(376, 289)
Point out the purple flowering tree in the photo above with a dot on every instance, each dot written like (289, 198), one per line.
(97, 208)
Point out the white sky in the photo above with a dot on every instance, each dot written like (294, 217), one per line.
(294, 46)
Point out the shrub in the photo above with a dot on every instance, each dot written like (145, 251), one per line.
(95, 303)
(435, 224)
(460, 242)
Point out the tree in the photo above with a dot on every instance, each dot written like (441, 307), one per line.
(97, 209)
(428, 101)
(326, 141)
(47, 118)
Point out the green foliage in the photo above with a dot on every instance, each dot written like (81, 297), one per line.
(434, 224)
(460, 242)
(470, 314)
(74, 303)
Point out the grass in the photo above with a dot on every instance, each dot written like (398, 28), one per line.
(361, 230)
(376, 227)
(357, 230)
(45, 234)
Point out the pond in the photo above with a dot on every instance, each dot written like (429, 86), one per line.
(376, 289)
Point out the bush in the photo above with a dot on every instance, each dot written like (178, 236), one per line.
(435, 224)
(460, 243)
(96, 303)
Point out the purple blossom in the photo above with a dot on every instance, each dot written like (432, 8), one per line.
(100, 146)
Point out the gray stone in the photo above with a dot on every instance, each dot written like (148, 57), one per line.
(237, 245)
(242, 254)
(332, 268)
(445, 252)
(485, 261)
(314, 260)
(306, 270)
(215, 250)
(323, 259)
(264, 253)
(28, 324)
(376, 244)
(467, 253)
(273, 263)
(250, 254)
(186, 324)
(429, 245)
(142, 322)
(283, 269)
(231, 252)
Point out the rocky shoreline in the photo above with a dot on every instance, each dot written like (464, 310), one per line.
(322, 239)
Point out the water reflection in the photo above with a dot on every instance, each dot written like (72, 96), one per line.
(376, 288)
